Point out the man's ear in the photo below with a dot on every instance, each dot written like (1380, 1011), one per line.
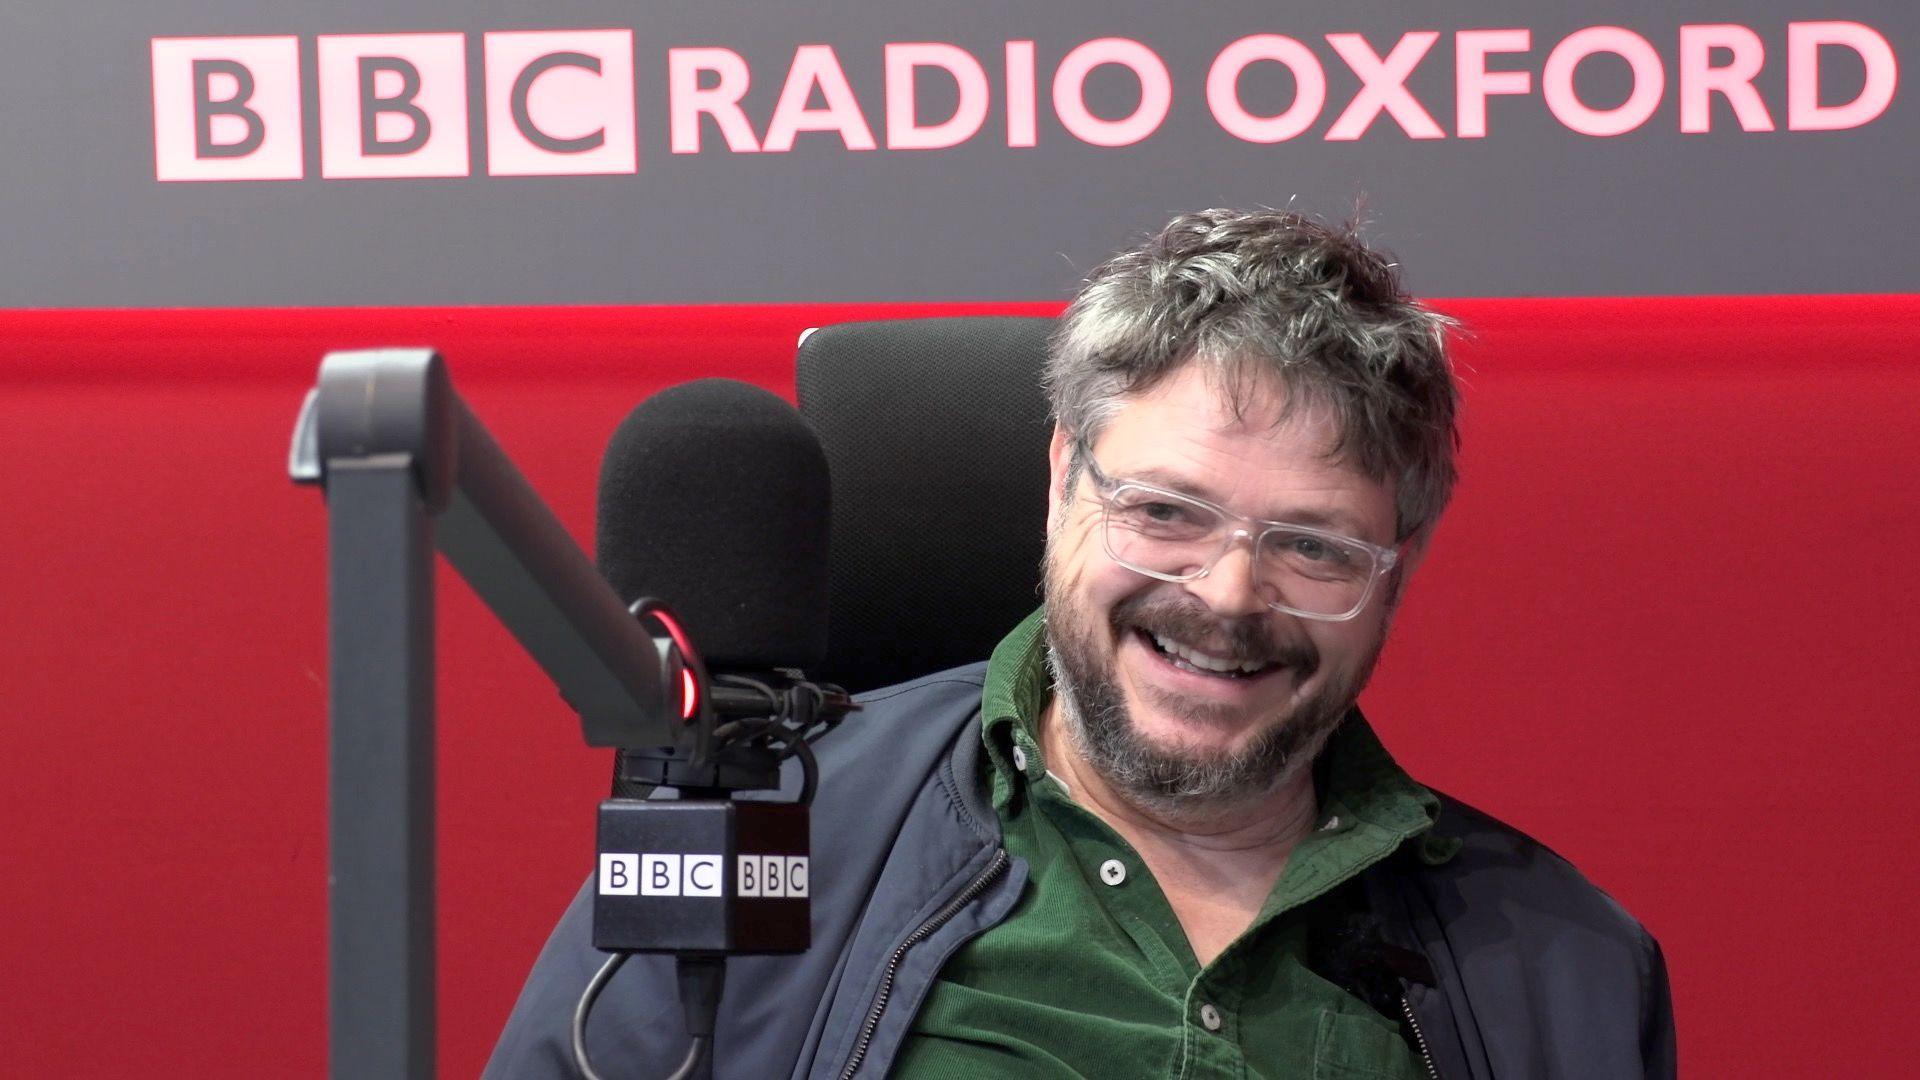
(1059, 459)
(1412, 554)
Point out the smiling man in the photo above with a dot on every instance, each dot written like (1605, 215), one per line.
(1154, 836)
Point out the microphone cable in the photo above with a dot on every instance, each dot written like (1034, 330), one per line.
(797, 720)
(701, 979)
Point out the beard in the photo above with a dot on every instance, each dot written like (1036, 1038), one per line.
(1174, 779)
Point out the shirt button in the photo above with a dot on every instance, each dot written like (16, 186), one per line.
(1113, 871)
(1210, 1017)
(1020, 759)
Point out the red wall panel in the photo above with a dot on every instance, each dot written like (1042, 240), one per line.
(1666, 627)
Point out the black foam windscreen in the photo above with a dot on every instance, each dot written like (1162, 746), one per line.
(714, 498)
(936, 431)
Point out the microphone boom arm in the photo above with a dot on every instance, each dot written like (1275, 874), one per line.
(406, 468)
(495, 530)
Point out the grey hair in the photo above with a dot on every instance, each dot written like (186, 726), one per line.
(1265, 293)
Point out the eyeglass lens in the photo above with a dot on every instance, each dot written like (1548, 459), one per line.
(1161, 533)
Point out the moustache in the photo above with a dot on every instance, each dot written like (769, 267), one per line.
(1249, 639)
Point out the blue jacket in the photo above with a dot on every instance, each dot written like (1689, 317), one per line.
(1535, 973)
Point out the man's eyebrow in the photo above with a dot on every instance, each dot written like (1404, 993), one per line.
(1336, 521)
(1339, 521)
(1171, 481)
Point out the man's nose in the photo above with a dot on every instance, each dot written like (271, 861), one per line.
(1232, 587)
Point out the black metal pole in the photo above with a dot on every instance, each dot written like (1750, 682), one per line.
(381, 785)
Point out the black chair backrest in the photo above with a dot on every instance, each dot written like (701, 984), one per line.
(936, 433)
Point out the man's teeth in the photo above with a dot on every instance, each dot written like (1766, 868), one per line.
(1198, 659)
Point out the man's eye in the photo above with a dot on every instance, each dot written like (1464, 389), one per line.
(1162, 517)
(1312, 549)
(1164, 513)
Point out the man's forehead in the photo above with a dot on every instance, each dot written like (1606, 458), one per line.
(1264, 452)
(1231, 401)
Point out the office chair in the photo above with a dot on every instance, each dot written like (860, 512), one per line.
(936, 434)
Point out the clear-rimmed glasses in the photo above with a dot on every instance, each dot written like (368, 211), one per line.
(1298, 569)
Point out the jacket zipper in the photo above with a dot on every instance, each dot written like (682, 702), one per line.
(993, 869)
(1420, 1037)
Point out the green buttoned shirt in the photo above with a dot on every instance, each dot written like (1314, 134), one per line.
(1091, 974)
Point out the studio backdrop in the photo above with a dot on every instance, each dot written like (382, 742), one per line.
(1666, 625)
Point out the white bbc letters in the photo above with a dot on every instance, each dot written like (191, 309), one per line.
(660, 875)
(619, 875)
(642, 874)
(704, 875)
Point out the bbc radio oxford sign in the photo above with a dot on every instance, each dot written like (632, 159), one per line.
(424, 153)
(562, 102)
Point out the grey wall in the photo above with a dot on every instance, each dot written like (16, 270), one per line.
(1531, 209)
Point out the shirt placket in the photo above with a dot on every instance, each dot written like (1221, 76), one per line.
(1210, 1029)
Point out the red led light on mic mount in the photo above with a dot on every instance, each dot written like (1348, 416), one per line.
(737, 727)
(689, 686)
(683, 666)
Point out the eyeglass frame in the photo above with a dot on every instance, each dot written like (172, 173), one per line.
(1384, 558)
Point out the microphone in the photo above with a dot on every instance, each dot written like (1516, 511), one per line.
(713, 524)
(713, 520)
(714, 504)
(714, 499)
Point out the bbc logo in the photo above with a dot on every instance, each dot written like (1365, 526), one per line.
(637, 874)
(557, 102)
(772, 875)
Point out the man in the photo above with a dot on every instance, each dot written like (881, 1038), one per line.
(1153, 836)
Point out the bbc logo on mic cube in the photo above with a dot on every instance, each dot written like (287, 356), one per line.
(771, 876)
(702, 876)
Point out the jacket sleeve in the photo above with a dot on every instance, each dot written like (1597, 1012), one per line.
(636, 1028)
(1658, 1048)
